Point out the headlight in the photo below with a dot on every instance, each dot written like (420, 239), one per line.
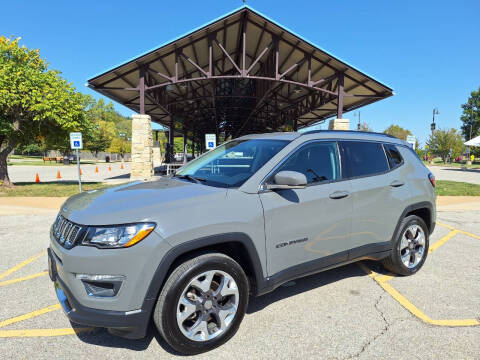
(117, 236)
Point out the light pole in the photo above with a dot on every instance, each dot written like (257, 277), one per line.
(355, 114)
(432, 125)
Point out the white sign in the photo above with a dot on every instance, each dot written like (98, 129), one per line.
(210, 141)
(411, 140)
(76, 140)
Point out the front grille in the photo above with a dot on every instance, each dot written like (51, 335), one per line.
(66, 232)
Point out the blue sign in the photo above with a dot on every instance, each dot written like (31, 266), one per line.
(210, 144)
(76, 143)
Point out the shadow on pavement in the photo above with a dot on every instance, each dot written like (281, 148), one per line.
(310, 282)
(101, 337)
(123, 176)
(462, 170)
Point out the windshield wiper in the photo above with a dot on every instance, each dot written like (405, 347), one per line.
(191, 178)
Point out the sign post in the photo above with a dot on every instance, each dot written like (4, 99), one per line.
(76, 143)
(210, 141)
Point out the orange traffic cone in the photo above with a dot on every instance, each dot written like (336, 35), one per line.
(109, 168)
(96, 169)
(81, 172)
(37, 178)
(121, 166)
(58, 174)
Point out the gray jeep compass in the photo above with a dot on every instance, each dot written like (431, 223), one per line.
(187, 251)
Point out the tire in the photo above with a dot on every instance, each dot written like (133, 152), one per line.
(203, 329)
(405, 260)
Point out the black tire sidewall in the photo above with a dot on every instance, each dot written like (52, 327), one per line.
(169, 321)
(409, 221)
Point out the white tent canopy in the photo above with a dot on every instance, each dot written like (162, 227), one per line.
(473, 142)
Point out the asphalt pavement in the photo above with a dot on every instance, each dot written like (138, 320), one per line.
(355, 311)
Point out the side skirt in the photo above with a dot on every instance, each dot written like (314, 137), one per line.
(376, 252)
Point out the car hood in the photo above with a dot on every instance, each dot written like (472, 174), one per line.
(137, 201)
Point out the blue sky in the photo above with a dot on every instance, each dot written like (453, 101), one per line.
(428, 51)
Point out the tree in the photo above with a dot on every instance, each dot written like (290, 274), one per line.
(398, 132)
(100, 137)
(120, 146)
(441, 142)
(471, 119)
(365, 127)
(35, 101)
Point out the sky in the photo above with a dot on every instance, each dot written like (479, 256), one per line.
(427, 51)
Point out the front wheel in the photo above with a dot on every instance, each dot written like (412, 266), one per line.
(410, 248)
(202, 303)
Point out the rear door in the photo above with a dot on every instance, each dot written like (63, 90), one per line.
(379, 194)
(308, 226)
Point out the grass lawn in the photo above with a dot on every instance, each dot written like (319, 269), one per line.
(52, 189)
(439, 162)
(456, 188)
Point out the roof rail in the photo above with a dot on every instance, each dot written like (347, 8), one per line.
(348, 131)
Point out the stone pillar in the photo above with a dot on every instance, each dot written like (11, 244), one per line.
(142, 148)
(339, 124)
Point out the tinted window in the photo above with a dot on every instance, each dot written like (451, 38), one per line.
(316, 160)
(363, 158)
(393, 156)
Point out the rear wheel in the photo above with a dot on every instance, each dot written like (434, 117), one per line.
(410, 248)
(202, 303)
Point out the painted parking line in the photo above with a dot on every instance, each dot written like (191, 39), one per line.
(29, 277)
(29, 315)
(22, 264)
(383, 279)
(43, 332)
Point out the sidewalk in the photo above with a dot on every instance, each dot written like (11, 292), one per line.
(45, 205)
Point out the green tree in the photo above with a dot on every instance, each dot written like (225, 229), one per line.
(398, 132)
(100, 137)
(365, 127)
(35, 101)
(120, 146)
(471, 119)
(443, 141)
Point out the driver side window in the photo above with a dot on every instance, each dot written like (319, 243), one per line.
(317, 160)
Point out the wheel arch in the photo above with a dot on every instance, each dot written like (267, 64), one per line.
(423, 209)
(239, 246)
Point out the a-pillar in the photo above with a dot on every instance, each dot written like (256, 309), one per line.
(142, 148)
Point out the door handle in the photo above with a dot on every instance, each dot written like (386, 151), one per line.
(397, 183)
(339, 194)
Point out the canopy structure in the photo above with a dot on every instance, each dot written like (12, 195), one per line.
(239, 74)
(473, 142)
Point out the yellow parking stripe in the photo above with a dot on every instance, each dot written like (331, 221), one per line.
(33, 276)
(460, 231)
(43, 332)
(22, 264)
(442, 241)
(29, 315)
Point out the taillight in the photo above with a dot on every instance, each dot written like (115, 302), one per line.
(432, 179)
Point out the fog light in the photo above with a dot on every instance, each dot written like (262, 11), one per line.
(101, 285)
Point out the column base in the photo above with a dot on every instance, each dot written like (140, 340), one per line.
(339, 124)
(142, 148)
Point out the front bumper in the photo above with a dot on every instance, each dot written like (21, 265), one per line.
(132, 326)
(128, 312)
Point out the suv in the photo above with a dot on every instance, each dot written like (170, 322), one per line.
(187, 250)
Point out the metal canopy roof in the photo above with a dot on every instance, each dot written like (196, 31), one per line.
(239, 74)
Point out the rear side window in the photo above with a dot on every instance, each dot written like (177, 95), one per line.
(361, 158)
(393, 156)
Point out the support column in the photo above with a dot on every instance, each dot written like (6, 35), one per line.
(185, 146)
(142, 148)
(339, 123)
(157, 152)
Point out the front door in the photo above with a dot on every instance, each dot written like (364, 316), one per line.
(310, 227)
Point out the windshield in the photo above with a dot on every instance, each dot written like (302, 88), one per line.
(232, 163)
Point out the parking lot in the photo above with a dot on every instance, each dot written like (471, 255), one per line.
(356, 311)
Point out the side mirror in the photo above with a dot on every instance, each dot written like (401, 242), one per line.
(288, 180)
